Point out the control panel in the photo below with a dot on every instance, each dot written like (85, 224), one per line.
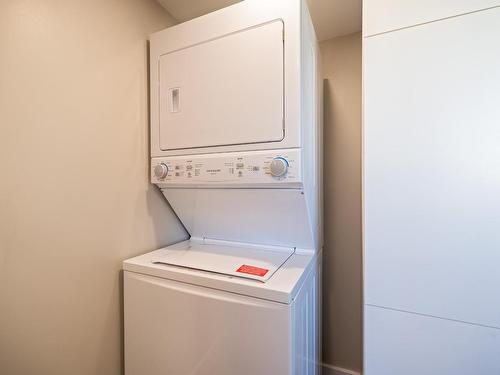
(253, 167)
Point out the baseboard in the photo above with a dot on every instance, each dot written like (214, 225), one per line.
(334, 370)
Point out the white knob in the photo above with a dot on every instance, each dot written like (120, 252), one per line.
(161, 170)
(279, 167)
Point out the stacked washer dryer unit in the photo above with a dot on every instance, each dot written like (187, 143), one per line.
(236, 150)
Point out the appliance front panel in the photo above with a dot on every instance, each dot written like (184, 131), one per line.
(175, 328)
(231, 169)
(275, 217)
(226, 91)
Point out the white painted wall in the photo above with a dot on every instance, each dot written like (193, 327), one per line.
(74, 193)
(332, 18)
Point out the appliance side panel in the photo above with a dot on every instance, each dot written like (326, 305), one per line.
(403, 343)
(176, 328)
(310, 122)
(320, 146)
(385, 15)
(306, 327)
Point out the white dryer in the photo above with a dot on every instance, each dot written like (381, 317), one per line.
(235, 148)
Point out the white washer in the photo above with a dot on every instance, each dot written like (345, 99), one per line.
(236, 150)
(188, 321)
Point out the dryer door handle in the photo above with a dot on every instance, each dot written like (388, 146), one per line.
(175, 99)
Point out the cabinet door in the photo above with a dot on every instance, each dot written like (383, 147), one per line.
(398, 343)
(177, 329)
(432, 168)
(384, 15)
(226, 91)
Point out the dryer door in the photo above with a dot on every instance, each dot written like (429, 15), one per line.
(226, 91)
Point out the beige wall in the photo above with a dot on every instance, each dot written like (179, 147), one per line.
(342, 299)
(74, 193)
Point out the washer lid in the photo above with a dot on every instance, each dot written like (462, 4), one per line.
(251, 262)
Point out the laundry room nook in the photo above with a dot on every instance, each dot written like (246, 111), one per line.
(240, 187)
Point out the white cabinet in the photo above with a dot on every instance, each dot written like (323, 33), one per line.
(432, 195)
(398, 343)
(432, 168)
(384, 15)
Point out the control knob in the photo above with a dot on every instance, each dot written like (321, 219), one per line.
(161, 170)
(279, 167)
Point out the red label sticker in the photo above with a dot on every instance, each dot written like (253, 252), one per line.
(251, 270)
